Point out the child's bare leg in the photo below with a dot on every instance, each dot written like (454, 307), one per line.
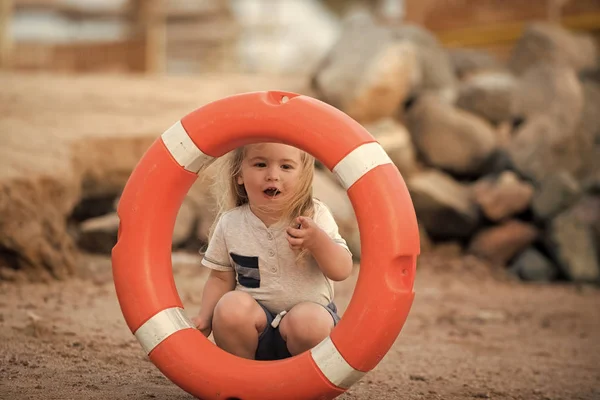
(238, 320)
(305, 326)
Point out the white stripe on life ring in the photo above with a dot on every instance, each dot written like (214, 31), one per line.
(360, 161)
(334, 366)
(161, 326)
(183, 149)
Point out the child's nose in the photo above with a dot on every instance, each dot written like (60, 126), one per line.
(273, 174)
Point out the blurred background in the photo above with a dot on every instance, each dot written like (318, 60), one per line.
(273, 36)
(489, 109)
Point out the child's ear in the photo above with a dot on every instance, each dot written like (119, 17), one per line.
(240, 180)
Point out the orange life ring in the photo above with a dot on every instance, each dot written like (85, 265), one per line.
(389, 245)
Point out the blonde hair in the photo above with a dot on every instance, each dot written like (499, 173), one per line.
(230, 194)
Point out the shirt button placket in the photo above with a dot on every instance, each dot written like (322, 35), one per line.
(271, 251)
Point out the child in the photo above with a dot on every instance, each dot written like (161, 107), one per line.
(274, 253)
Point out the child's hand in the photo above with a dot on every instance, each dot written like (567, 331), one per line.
(305, 234)
(202, 325)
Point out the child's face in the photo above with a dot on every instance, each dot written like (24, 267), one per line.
(270, 173)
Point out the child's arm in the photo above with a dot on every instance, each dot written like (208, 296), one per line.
(334, 260)
(218, 283)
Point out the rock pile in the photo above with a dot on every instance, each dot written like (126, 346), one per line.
(501, 158)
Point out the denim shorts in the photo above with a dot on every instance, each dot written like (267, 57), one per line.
(271, 345)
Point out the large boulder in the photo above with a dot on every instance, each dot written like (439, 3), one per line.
(449, 138)
(551, 44)
(561, 130)
(63, 138)
(444, 206)
(553, 91)
(489, 95)
(367, 74)
(469, 62)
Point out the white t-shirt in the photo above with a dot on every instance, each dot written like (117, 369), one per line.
(265, 265)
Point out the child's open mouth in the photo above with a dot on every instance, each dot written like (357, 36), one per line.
(272, 192)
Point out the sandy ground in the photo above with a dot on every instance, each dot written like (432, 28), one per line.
(471, 334)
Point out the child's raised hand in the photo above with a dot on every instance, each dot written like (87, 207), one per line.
(304, 234)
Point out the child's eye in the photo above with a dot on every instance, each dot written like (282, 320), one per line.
(286, 166)
(260, 165)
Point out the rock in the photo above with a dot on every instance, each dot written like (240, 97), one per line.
(99, 235)
(560, 134)
(556, 192)
(535, 151)
(367, 74)
(531, 265)
(503, 196)
(573, 240)
(504, 132)
(335, 197)
(498, 162)
(107, 163)
(184, 223)
(561, 129)
(444, 207)
(397, 143)
(550, 44)
(34, 209)
(92, 207)
(553, 91)
(530, 150)
(499, 244)
(489, 95)
(467, 62)
(65, 137)
(436, 72)
(448, 138)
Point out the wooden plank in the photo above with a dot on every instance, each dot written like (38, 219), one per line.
(6, 42)
(152, 28)
(509, 32)
(125, 56)
(74, 10)
(172, 9)
(452, 15)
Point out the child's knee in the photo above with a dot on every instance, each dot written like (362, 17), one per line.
(307, 322)
(236, 309)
